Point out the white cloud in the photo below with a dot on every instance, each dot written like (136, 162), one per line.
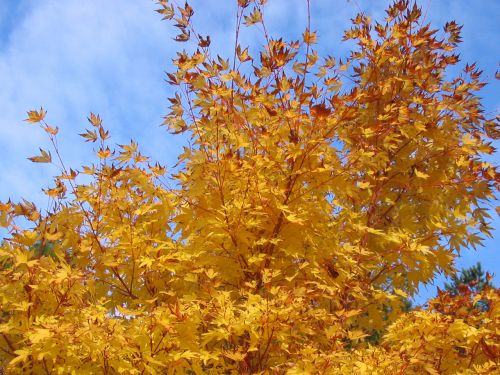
(73, 57)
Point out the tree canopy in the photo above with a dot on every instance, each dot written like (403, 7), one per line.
(313, 197)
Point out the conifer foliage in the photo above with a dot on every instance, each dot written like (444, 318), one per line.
(313, 198)
(469, 278)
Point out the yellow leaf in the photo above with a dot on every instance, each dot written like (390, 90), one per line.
(95, 120)
(430, 369)
(363, 185)
(356, 334)
(51, 130)
(45, 157)
(421, 174)
(22, 355)
(40, 335)
(104, 153)
(53, 235)
(235, 356)
(90, 135)
(36, 116)
(399, 292)
(211, 273)
(253, 18)
(309, 37)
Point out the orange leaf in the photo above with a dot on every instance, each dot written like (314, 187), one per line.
(36, 116)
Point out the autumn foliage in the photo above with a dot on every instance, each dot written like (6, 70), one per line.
(313, 197)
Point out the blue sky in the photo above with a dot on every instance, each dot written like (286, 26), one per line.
(109, 57)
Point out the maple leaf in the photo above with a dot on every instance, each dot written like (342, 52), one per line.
(90, 135)
(36, 116)
(44, 157)
(94, 120)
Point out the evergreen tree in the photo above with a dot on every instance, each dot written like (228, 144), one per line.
(474, 278)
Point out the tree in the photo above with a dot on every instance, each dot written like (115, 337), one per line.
(303, 212)
(471, 282)
(472, 278)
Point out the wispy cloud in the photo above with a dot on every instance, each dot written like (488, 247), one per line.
(73, 57)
